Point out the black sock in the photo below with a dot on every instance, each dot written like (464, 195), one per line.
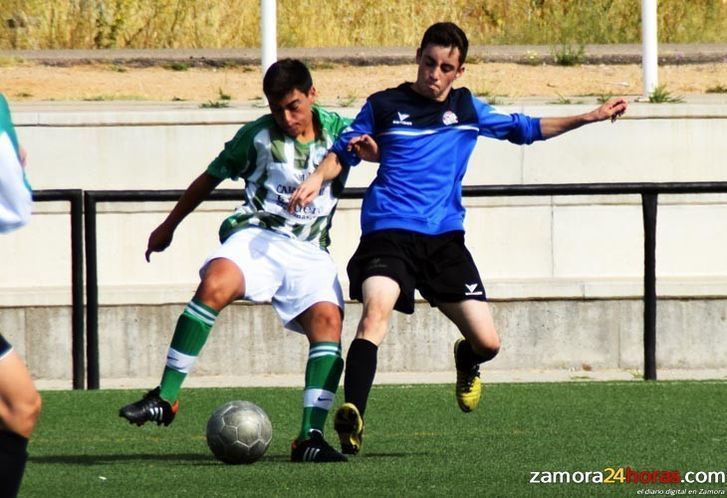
(466, 358)
(360, 371)
(13, 454)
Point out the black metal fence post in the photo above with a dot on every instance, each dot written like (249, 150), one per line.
(649, 203)
(92, 373)
(77, 288)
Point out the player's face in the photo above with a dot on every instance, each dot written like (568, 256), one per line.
(438, 68)
(293, 114)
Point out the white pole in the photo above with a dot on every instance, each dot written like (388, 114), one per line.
(649, 56)
(268, 44)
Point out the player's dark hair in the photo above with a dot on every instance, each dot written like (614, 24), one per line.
(446, 34)
(284, 76)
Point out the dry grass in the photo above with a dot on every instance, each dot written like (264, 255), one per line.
(41, 24)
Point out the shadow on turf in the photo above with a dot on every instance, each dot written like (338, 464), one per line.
(196, 458)
(192, 458)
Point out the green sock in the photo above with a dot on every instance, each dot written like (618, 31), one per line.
(193, 327)
(322, 374)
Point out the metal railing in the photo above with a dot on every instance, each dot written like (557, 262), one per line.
(649, 193)
(75, 198)
(91, 199)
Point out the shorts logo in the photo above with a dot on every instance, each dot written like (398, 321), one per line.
(449, 118)
(376, 263)
(471, 290)
(402, 119)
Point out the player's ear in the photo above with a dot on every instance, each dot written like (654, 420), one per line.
(418, 58)
(460, 71)
(312, 93)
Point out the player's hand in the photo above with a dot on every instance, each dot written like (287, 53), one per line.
(365, 147)
(305, 193)
(159, 240)
(611, 109)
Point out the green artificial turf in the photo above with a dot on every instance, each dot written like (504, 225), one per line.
(417, 443)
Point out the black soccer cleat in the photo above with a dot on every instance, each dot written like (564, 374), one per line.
(314, 449)
(150, 408)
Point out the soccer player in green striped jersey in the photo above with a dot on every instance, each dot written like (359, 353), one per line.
(267, 252)
(19, 400)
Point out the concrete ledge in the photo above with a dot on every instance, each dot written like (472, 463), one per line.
(489, 376)
(115, 113)
(592, 288)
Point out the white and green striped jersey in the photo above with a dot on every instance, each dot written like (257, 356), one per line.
(15, 193)
(273, 165)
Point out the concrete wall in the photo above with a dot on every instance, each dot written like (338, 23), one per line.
(247, 341)
(583, 255)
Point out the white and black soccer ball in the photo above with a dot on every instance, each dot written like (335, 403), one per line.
(239, 432)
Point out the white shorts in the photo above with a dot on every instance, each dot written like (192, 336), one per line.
(293, 275)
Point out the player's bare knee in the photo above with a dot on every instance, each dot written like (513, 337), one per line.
(374, 316)
(328, 322)
(215, 293)
(376, 313)
(487, 347)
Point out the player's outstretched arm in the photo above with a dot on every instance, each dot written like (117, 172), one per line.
(611, 109)
(197, 191)
(309, 189)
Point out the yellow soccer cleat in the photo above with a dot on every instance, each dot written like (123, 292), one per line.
(349, 425)
(469, 386)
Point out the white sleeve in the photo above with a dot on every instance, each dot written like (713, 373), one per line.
(15, 196)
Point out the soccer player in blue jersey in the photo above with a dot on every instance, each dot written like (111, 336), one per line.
(19, 400)
(412, 214)
(267, 253)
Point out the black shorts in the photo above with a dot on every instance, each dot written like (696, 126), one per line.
(5, 346)
(439, 266)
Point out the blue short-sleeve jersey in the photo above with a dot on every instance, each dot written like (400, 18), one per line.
(425, 146)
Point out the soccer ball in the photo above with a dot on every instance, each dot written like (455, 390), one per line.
(239, 432)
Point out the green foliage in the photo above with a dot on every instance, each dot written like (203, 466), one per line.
(214, 104)
(346, 101)
(602, 99)
(561, 100)
(177, 66)
(41, 24)
(109, 97)
(661, 95)
(223, 101)
(717, 89)
(417, 442)
(569, 55)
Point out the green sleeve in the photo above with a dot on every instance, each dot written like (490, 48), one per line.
(333, 124)
(239, 157)
(6, 124)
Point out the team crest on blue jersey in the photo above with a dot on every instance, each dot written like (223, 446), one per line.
(449, 118)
